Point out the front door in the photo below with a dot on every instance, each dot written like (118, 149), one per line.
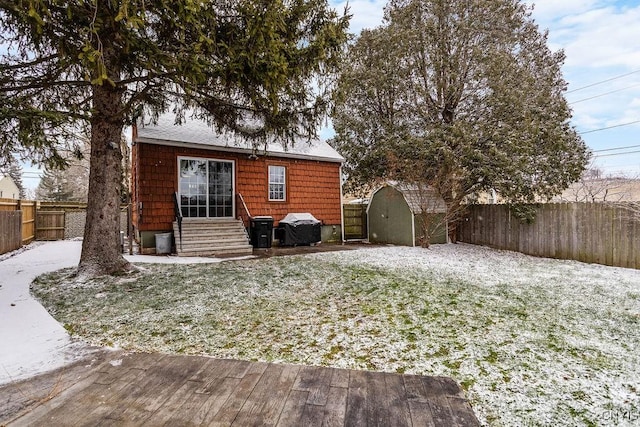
(206, 188)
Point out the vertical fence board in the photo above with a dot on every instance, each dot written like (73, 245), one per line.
(504, 229)
(628, 236)
(355, 221)
(584, 239)
(10, 236)
(608, 236)
(589, 232)
(636, 238)
(28, 208)
(50, 225)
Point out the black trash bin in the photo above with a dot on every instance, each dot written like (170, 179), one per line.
(261, 229)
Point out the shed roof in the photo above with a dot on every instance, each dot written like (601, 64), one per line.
(418, 197)
(198, 134)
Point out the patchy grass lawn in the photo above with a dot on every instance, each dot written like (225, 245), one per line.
(533, 341)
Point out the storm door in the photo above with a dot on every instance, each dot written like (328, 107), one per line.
(206, 188)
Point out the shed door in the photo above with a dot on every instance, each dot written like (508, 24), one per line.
(390, 220)
(206, 188)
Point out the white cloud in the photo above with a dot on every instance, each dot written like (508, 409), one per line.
(549, 10)
(601, 40)
(365, 13)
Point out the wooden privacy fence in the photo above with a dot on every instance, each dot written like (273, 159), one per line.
(28, 219)
(29, 210)
(44, 221)
(599, 233)
(50, 225)
(10, 231)
(355, 221)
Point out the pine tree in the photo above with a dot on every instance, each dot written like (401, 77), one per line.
(92, 67)
(54, 187)
(460, 97)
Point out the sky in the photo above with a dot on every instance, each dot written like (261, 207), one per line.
(601, 41)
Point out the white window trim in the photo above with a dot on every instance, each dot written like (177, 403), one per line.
(233, 182)
(284, 184)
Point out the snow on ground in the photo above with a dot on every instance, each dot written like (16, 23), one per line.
(555, 342)
(31, 341)
(532, 341)
(31, 245)
(172, 259)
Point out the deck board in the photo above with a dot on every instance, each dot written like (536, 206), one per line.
(152, 389)
(398, 405)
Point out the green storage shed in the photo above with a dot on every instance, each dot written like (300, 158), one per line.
(394, 215)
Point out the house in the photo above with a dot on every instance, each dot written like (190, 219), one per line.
(217, 183)
(394, 215)
(8, 188)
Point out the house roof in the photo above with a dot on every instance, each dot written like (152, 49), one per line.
(8, 187)
(418, 198)
(198, 134)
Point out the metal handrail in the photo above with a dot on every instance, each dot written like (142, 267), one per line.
(246, 209)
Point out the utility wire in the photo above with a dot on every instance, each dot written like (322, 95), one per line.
(603, 81)
(609, 127)
(604, 94)
(615, 154)
(615, 148)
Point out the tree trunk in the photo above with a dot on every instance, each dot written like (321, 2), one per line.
(452, 207)
(101, 253)
(426, 230)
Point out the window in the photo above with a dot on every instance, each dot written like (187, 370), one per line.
(277, 183)
(206, 188)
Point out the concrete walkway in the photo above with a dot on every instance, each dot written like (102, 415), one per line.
(32, 341)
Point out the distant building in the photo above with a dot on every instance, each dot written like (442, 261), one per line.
(602, 190)
(8, 188)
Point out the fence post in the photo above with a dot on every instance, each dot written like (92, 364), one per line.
(19, 208)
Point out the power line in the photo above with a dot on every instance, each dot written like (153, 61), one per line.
(609, 127)
(626, 166)
(604, 94)
(603, 81)
(616, 148)
(615, 154)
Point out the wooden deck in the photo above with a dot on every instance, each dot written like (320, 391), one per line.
(152, 389)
